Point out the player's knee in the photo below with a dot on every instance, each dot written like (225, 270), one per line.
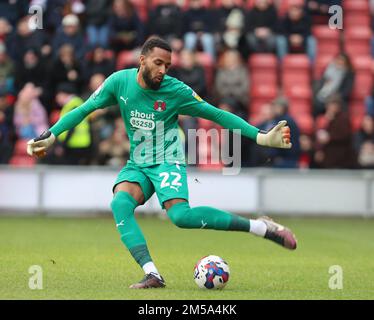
(122, 200)
(178, 214)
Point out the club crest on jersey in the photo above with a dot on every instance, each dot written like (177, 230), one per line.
(159, 105)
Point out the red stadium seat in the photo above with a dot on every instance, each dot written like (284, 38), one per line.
(356, 6)
(20, 148)
(357, 41)
(263, 69)
(284, 6)
(126, 58)
(356, 113)
(300, 99)
(261, 93)
(239, 3)
(22, 161)
(356, 20)
(320, 65)
(328, 40)
(363, 76)
(296, 70)
(305, 123)
(141, 7)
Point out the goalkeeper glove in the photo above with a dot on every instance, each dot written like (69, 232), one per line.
(38, 146)
(277, 137)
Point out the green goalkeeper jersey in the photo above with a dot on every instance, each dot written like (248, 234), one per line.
(151, 116)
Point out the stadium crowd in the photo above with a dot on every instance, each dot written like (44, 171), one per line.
(264, 60)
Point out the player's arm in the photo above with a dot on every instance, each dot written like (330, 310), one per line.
(191, 104)
(101, 98)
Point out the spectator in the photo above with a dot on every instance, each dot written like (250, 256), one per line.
(364, 143)
(70, 33)
(77, 142)
(232, 79)
(115, 150)
(7, 136)
(98, 62)
(125, 27)
(30, 117)
(306, 152)
(65, 69)
(191, 73)
(5, 31)
(231, 105)
(198, 29)
(166, 21)
(30, 70)
(13, 10)
(25, 39)
(97, 15)
(6, 69)
(233, 30)
(283, 158)
(297, 37)
(334, 147)
(259, 155)
(230, 22)
(338, 78)
(260, 26)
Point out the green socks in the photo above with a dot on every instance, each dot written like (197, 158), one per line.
(206, 218)
(123, 206)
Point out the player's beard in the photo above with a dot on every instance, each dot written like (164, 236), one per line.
(146, 74)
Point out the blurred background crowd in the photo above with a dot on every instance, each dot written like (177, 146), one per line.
(264, 60)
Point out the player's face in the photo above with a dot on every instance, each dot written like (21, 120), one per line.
(154, 66)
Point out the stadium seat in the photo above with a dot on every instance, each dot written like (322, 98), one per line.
(263, 69)
(261, 93)
(239, 3)
(295, 70)
(356, 20)
(320, 65)
(356, 6)
(54, 116)
(357, 41)
(284, 6)
(22, 161)
(126, 59)
(356, 113)
(20, 148)
(305, 123)
(141, 7)
(363, 76)
(328, 40)
(300, 99)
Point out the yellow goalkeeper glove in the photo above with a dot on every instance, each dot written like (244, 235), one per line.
(277, 137)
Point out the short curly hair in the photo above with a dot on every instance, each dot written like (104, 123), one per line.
(155, 42)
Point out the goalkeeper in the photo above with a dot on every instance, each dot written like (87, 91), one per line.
(149, 100)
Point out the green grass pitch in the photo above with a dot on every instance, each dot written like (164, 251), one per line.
(85, 259)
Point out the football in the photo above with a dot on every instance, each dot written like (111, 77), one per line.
(211, 272)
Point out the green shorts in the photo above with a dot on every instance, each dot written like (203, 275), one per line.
(169, 180)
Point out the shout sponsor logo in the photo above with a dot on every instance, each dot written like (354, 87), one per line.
(142, 120)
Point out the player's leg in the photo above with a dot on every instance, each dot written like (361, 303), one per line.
(127, 196)
(170, 182)
(183, 216)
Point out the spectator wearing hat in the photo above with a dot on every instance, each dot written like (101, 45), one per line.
(286, 158)
(70, 33)
(76, 143)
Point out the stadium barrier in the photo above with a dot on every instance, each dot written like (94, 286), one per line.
(86, 191)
